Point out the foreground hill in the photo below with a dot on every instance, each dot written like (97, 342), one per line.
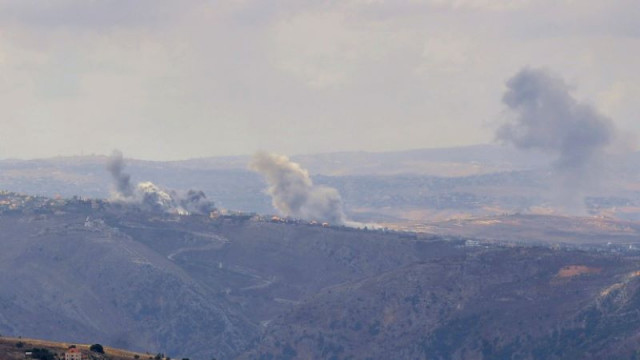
(492, 304)
(184, 285)
(243, 287)
(15, 349)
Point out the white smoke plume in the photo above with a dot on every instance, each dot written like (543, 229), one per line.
(546, 117)
(151, 197)
(294, 194)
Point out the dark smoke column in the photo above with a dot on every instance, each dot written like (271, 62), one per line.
(122, 180)
(546, 117)
(293, 193)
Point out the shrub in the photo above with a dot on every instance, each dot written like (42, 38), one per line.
(97, 348)
(42, 354)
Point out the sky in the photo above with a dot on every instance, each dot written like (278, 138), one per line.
(168, 80)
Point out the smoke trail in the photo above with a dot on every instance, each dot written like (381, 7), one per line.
(195, 202)
(293, 193)
(122, 181)
(151, 197)
(547, 118)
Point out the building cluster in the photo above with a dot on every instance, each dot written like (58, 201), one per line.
(14, 202)
(73, 354)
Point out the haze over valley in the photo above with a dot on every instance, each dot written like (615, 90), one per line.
(283, 180)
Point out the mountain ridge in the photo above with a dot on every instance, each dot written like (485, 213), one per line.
(248, 287)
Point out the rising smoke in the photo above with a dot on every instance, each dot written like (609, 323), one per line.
(122, 180)
(546, 117)
(294, 194)
(151, 197)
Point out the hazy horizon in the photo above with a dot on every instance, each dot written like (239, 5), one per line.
(297, 179)
(162, 81)
(248, 155)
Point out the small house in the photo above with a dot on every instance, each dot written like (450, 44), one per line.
(73, 354)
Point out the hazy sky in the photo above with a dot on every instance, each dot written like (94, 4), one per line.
(177, 79)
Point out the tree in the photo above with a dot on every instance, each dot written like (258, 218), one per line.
(97, 348)
(42, 354)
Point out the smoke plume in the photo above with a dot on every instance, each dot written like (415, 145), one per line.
(546, 117)
(151, 197)
(294, 194)
(122, 181)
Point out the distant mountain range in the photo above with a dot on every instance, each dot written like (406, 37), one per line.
(417, 185)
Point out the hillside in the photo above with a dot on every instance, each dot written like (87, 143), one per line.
(490, 304)
(90, 271)
(550, 230)
(246, 287)
(12, 348)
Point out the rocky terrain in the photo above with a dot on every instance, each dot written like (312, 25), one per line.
(247, 287)
(89, 270)
(490, 304)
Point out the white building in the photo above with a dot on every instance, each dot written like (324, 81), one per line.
(73, 354)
